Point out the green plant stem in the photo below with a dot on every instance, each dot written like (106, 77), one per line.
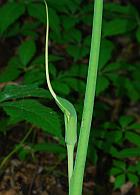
(70, 151)
(78, 173)
(15, 149)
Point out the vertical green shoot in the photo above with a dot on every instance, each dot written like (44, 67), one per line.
(78, 173)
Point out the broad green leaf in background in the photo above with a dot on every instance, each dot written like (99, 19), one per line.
(76, 71)
(35, 113)
(9, 13)
(117, 27)
(133, 138)
(131, 90)
(64, 5)
(119, 164)
(69, 22)
(54, 21)
(42, 147)
(26, 51)
(11, 71)
(127, 10)
(77, 52)
(112, 68)
(115, 171)
(107, 48)
(37, 10)
(133, 178)
(134, 126)
(129, 152)
(125, 121)
(34, 76)
(60, 87)
(119, 181)
(73, 35)
(75, 84)
(138, 34)
(3, 124)
(13, 31)
(102, 84)
(22, 91)
(30, 29)
(113, 136)
(49, 147)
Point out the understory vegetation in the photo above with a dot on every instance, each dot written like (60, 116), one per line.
(31, 126)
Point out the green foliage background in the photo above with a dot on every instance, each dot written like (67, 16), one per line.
(25, 100)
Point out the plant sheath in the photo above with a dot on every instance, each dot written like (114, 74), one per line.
(78, 173)
(70, 115)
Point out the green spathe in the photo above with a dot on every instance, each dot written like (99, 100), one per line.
(67, 108)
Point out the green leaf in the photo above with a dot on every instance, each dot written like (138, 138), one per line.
(54, 21)
(117, 27)
(22, 91)
(76, 71)
(3, 125)
(24, 152)
(138, 35)
(77, 52)
(115, 171)
(133, 178)
(60, 87)
(112, 67)
(137, 166)
(34, 76)
(29, 29)
(119, 164)
(42, 147)
(119, 181)
(37, 10)
(120, 9)
(132, 91)
(102, 84)
(113, 151)
(132, 168)
(73, 35)
(74, 83)
(92, 154)
(113, 136)
(11, 71)
(128, 153)
(9, 13)
(48, 147)
(105, 53)
(124, 121)
(135, 126)
(64, 5)
(133, 137)
(26, 51)
(69, 22)
(13, 31)
(35, 113)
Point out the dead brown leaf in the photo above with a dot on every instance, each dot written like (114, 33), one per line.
(9, 192)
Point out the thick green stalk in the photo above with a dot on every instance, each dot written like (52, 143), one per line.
(78, 173)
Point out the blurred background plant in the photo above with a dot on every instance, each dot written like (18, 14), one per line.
(32, 129)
